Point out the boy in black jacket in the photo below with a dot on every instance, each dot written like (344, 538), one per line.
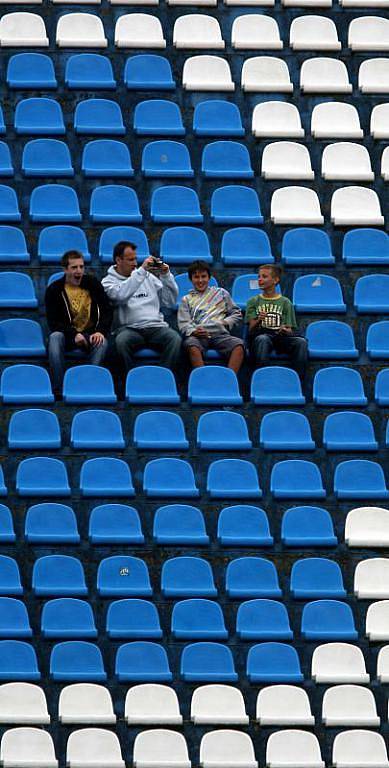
(79, 317)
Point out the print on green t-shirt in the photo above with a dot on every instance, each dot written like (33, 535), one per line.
(279, 311)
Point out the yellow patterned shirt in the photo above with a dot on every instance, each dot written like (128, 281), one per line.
(80, 307)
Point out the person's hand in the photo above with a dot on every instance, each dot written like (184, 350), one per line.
(201, 333)
(80, 340)
(285, 329)
(148, 263)
(164, 268)
(96, 339)
(261, 316)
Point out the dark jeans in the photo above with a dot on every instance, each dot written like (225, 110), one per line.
(160, 337)
(296, 347)
(56, 349)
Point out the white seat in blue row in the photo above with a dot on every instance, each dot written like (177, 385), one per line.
(277, 118)
(197, 31)
(295, 205)
(367, 527)
(346, 161)
(286, 160)
(255, 31)
(23, 29)
(139, 30)
(371, 578)
(373, 76)
(338, 663)
(324, 75)
(266, 74)
(80, 30)
(314, 33)
(369, 33)
(207, 73)
(356, 206)
(334, 119)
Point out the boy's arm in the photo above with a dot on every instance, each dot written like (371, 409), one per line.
(185, 323)
(289, 319)
(252, 318)
(233, 314)
(169, 291)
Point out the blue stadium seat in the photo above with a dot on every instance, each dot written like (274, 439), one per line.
(273, 663)
(307, 246)
(263, 620)
(115, 524)
(276, 385)
(338, 386)
(112, 235)
(331, 339)
(6, 167)
(179, 524)
(349, 431)
(54, 202)
(285, 431)
(245, 245)
(160, 430)
(360, 479)
(252, 577)
(316, 577)
(243, 526)
(207, 662)
(244, 288)
(328, 620)
(175, 204)
(13, 246)
(169, 477)
(113, 203)
(296, 479)
(213, 385)
(26, 384)
(87, 71)
(42, 476)
(50, 523)
(198, 619)
(233, 478)
(88, 384)
(2, 123)
(31, 71)
(123, 576)
(307, 527)
(54, 241)
(226, 159)
(184, 285)
(133, 619)
(158, 117)
(17, 290)
(318, 293)
(381, 387)
(78, 661)
(10, 583)
(187, 577)
(223, 430)
(47, 157)
(67, 617)
(235, 204)
(14, 621)
(377, 340)
(217, 117)
(182, 245)
(151, 384)
(165, 158)
(366, 246)
(106, 476)
(18, 661)
(21, 338)
(99, 116)
(95, 430)
(7, 533)
(58, 575)
(371, 294)
(147, 72)
(39, 116)
(106, 157)
(142, 661)
(34, 428)
(3, 489)
(9, 206)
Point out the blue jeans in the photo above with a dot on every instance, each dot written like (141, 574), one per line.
(296, 347)
(160, 337)
(56, 349)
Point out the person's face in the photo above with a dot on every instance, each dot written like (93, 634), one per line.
(74, 271)
(126, 263)
(200, 280)
(267, 281)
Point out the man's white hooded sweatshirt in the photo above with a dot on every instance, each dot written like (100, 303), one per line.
(137, 299)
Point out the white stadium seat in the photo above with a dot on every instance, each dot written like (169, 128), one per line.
(266, 73)
(231, 749)
(338, 663)
(190, 2)
(133, 2)
(324, 75)
(283, 705)
(377, 621)
(139, 30)
(197, 31)
(367, 527)
(152, 703)
(27, 748)
(364, 3)
(80, 30)
(373, 76)
(94, 747)
(288, 748)
(333, 119)
(277, 118)
(250, 2)
(307, 3)
(23, 703)
(222, 704)
(356, 206)
(160, 748)
(379, 121)
(369, 33)
(346, 161)
(314, 33)
(295, 205)
(255, 31)
(23, 29)
(371, 578)
(207, 73)
(349, 705)
(362, 749)
(85, 703)
(383, 665)
(385, 164)
(286, 160)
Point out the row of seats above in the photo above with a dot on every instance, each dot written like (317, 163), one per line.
(215, 117)
(203, 661)
(350, 206)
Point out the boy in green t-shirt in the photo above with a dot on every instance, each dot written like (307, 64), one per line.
(272, 323)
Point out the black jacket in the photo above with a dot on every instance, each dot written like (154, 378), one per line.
(58, 312)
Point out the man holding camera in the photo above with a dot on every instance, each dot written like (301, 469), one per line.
(137, 295)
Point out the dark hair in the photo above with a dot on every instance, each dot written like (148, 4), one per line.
(198, 266)
(275, 269)
(68, 255)
(120, 247)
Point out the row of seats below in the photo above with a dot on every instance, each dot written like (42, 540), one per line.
(147, 661)
(215, 117)
(152, 703)
(159, 747)
(216, 431)
(245, 577)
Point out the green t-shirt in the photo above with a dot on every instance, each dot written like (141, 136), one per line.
(279, 311)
